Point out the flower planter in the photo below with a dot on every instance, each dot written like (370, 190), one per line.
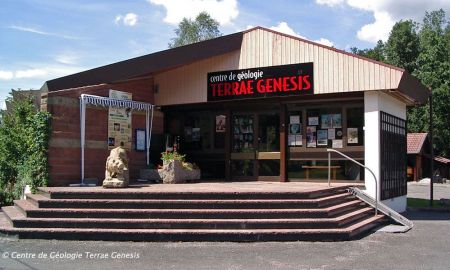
(173, 172)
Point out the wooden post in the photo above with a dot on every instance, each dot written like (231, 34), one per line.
(283, 145)
(228, 133)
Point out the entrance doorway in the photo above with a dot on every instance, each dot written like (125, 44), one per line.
(255, 146)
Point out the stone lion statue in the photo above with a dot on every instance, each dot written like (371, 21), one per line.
(116, 171)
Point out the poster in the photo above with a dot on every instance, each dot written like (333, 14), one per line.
(325, 121)
(295, 140)
(328, 121)
(352, 135)
(298, 140)
(331, 134)
(313, 121)
(140, 140)
(337, 144)
(294, 119)
(336, 121)
(294, 129)
(322, 137)
(311, 136)
(119, 123)
(195, 134)
(220, 123)
(291, 140)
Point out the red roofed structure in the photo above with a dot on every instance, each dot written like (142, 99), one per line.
(418, 148)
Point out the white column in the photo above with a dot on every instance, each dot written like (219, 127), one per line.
(371, 140)
(83, 137)
(374, 102)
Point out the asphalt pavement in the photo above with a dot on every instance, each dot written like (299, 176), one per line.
(426, 246)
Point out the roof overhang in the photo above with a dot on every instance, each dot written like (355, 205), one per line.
(148, 64)
(411, 89)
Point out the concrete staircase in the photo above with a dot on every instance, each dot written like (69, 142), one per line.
(323, 215)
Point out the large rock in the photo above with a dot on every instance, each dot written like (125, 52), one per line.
(116, 171)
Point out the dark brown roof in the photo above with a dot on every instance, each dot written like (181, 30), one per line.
(148, 64)
(442, 159)
(415, 142)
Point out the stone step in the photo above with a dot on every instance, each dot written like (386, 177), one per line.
(20, 221)
(136, 193)
(237, 235)
(41, 201)
(31, 210)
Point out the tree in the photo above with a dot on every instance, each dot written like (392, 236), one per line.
(24, 137)
(424, 51)
(402, 47)
(433, 70)
(377, 53)
(191, 31)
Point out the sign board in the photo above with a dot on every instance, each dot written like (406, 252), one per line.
(119, 123)
(286, 80)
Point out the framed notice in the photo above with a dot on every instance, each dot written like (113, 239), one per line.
(295, 140)
(313, 121)
(119, 123)
(294, 119)
(322, 137)
(140, 142)
(337, 144)
(336, 120)
(291, 140)
(311, 140)
(220, 123)
(294, 129)
(331, 134)
(352, 135)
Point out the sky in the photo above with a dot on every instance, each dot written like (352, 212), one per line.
(47, 39)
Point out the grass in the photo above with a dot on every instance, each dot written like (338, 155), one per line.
(413, 202)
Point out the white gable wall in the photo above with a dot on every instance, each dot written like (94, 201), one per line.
(334, 71)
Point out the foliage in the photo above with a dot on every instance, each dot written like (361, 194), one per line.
(191, 31)
(24, 136)
(171, 156)
(425, 203)
(402, 47)
(424, 51)
(377, 53)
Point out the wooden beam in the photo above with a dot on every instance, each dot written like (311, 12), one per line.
(283, 144)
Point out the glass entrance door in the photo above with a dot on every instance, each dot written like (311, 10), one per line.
(255, 146)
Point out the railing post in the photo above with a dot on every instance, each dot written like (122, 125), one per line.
(329, 168)
(354, 161)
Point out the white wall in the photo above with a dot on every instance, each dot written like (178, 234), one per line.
(374, 102)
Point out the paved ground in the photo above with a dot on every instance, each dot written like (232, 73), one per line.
(422, 191)
(427, 246)
(250, 186)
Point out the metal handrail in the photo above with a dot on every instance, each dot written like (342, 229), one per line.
(354, 161)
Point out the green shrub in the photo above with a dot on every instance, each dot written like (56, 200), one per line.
(24, 137)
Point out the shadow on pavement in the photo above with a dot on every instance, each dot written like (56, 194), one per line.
(426, 215)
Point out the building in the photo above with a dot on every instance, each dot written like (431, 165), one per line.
(254, 105)
(419, 156)
(35, 95)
